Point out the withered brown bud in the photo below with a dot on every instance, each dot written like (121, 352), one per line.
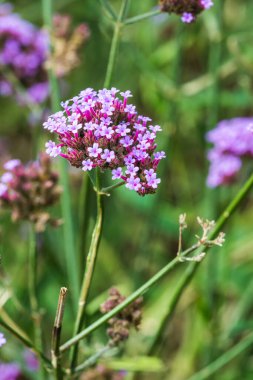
(181, 6)
(66, 44)
(29, 189)
(129, 317)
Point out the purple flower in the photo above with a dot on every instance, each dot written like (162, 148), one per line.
(87, 165)
(31, 360)
(23, 51)
(6, 177)
(232, 141)
(108, 155)
(12, 164)
(206, 3)
(3, 189)
(2, 339)
(132, 170)
(95, 150)
(100, 129)
(117, 173)
(52, 149)
(187, 17)
(9, 371)
(133, 183)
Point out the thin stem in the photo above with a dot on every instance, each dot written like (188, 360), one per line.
(68, 229)
(109, 8)
(56, 335)
(209, 370)
(110, 188)
(32, 288)
(191, 269)
(139, 292)
(10, 326)
(89, 269)
(144, 16)
(153, 280)
(115, 42)
(92, 360)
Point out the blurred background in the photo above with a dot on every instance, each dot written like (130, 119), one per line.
(186, 78)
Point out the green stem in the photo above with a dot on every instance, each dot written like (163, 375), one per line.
(10, 326)
(68, 230)
(139, 292)
(209, 370)
(152, 281)
(191, 269)
(109, 9)
(92, 360)
(144, 16)
(115, 42)
(89, 269)
(110, 188)
(32, 288)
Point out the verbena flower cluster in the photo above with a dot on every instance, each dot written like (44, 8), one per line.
(187, 9)
(232, 141)
(23, 50)
(101, 130)
(29, 189)
(122, 322)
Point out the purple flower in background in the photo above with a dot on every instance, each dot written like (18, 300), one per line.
(31, 360)
(9, 371)
(187, 17)
(27, 190)
(2, 339)
(110, 135)
(232, 141)
(187, 9)
(206, 3)
(23, 51)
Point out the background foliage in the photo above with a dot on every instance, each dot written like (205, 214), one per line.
(187, 78)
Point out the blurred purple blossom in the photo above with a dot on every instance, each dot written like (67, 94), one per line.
(22, 54)
(232, 141)
(2, 339)
(9, 371)
(31, 360)
(100, 129)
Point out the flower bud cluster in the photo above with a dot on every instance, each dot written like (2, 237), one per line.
(101, 130)
(187, 9)
(28, 189)
(23, 50)
(232, 141)
(125, 319)
(66, 44)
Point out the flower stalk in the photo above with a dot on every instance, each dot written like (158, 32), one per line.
(89, 270)
(56, 335)
(166, 269)
(119, 23)
(32, 288)
(68, 230)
